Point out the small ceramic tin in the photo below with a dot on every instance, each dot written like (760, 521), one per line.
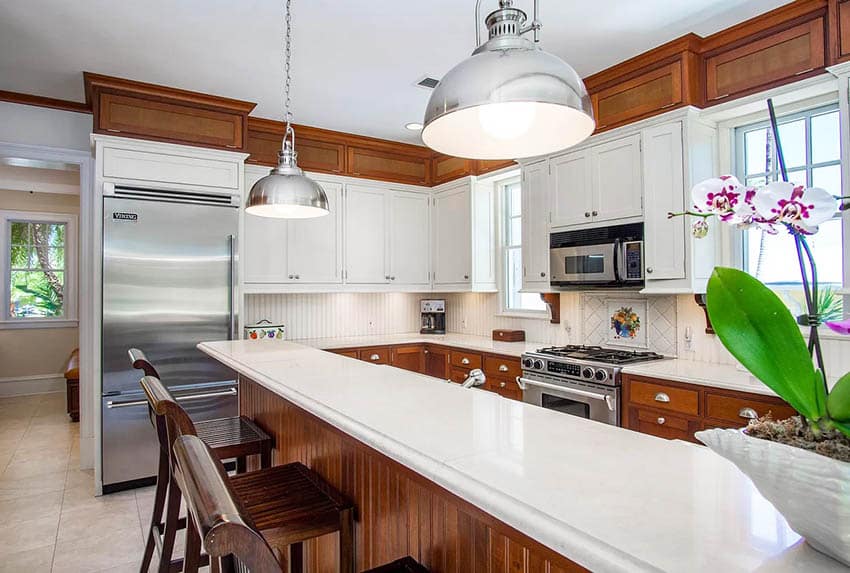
(265, 330)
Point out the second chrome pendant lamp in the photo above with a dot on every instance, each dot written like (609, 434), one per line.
(510, 99)
(286, 192)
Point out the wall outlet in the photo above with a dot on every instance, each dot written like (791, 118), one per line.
(463, 323)
(371, 326)
(689, 339)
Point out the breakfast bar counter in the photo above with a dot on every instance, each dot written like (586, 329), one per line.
(465, 480)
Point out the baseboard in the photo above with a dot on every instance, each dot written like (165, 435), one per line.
(25, 385)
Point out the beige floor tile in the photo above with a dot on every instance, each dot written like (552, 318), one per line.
(80, 478)
(50, 419)
(24, 535)
(38, 560)
(45, 465)
(53, 451)
(32, 506)
(83, 498)
(38, 484)
(98, 553)
(98, 520)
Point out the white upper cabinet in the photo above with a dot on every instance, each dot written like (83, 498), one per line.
(535, 226)
(572, 195)
(664, 190)
(264, 242)
(616, 179)
(409, 238)
(313, 246)
(366, 230)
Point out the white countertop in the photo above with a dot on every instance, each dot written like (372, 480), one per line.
(468, 341)
(725, 376)
(607, 498)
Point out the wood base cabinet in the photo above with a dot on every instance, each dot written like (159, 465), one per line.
(436, 362)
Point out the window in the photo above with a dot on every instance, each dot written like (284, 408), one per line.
(811, 147)
(514, 300)
(38, 267)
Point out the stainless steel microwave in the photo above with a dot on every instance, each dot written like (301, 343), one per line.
(602, 257)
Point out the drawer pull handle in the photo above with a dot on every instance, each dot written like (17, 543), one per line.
(501, 384)
(503, 368)
(806, 71)
(661, 421)
(662, 397)
(465, 361)
(375, 357)
(748, 414)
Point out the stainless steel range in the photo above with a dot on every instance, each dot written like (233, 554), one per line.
(582, 381)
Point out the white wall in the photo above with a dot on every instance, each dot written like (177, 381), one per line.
(41, 126)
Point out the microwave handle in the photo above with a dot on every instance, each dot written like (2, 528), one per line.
(618, 245)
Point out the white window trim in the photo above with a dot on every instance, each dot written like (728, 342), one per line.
(70, 319)
(504, 311)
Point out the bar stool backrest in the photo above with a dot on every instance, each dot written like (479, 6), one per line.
(141, 362)
(225, 528)
(165, 407)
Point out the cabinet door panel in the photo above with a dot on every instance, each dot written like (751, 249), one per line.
(409, 238)
(535, 225)
(452, 236)
(365, 235)
(664, 192)
(638, 97)
(264, 244)
(616, 179)
(572, 198)
(437, 362)
(313, 249)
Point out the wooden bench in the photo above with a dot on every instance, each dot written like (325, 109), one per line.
(72, 385)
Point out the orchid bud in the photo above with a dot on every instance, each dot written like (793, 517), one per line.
(699, 229)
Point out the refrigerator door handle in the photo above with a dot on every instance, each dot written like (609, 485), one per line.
(232, 295)
(128, 404)
(201, 396)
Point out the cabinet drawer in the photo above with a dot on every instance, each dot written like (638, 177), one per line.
(771, 60)
(508, 368)
(377, 164)
(376, 355)
(664, 397)
(737, 411)
(662, 424)
(458, 375)
(352, 353)
(506, 387)
(468, 360)
(409, 357)
(643, 95)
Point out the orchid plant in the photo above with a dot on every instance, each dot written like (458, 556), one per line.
(750, 320)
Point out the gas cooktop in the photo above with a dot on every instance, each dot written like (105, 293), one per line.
(599, 354)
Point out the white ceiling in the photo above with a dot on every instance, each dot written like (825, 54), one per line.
(355, 61)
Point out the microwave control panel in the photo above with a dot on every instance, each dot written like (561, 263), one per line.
(634, 260)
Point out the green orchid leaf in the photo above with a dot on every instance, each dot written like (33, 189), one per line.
(842, 427)
(838, 402)
(756, 327)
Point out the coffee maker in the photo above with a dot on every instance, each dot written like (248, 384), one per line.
(433, 316)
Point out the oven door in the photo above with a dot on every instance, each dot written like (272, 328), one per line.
(589, 401)
(588, 264)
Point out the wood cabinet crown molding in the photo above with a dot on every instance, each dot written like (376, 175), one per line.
(46, 102)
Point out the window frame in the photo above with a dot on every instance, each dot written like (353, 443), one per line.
(504, 250)
(70, 316)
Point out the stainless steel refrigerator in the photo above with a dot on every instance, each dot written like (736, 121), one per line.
(169, 276)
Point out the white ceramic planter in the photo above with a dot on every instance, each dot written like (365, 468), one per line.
(811, 491)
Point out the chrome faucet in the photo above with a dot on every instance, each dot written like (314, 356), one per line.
(476, 378)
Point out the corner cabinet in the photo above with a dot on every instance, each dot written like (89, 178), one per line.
(535, 227)
(463, 237)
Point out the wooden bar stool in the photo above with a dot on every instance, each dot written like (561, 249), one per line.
(288, 504)
(234, 437)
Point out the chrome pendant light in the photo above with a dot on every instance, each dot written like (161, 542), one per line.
(286, 192)
(510, 99)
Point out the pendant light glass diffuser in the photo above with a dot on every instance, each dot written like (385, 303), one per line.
(286, 192)
(510, 99)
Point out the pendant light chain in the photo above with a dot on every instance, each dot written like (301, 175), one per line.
(288, 69)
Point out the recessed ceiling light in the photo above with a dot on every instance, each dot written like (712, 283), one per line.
(414, 126)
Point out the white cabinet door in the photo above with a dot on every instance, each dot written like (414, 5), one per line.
(664, 192)
(409, 238)
(313, 248)
(572, 195)
(452, 236)
(366, 226)
(264, 244)
(616, 179)
(535, 225)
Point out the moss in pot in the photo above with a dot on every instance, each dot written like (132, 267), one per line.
(802, 464)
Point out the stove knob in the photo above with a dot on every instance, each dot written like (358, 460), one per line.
(527, 363)
(601, 375)
(587, 373)
(538, 365)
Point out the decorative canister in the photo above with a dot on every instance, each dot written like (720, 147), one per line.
(264, 330)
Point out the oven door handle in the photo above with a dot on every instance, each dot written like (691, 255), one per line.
(523, 384)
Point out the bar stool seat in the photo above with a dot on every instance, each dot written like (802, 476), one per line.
(236, 437)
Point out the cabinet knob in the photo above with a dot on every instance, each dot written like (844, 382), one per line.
(387, 277)
(661, 421)
(748, 414)
(427, 351)
(542, 274)
(465, 361)
(375, 357)
(466, 277)
(291, 277)
(503, 368)
(649, 270)
(587, 213)
(501, 384)
(595, 213)
(298, 277)
(662, 397)
(392, 278)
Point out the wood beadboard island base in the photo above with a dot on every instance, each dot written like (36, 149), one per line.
(399, 512)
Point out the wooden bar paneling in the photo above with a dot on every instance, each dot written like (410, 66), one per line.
(399, 512)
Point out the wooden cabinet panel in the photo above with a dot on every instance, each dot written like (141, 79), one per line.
(458, 375)
(641, 96)
(409, 357)
(388, 166)
(349, 352)
(321, 156)
(840, 29)
(483, 166)
(445, 168)
(505, 387)
(732, 410)
(664, 397)
(502, 366)
(437, 361)
(466, 359)
(662, 424)
(375, 354)
(765, 61)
